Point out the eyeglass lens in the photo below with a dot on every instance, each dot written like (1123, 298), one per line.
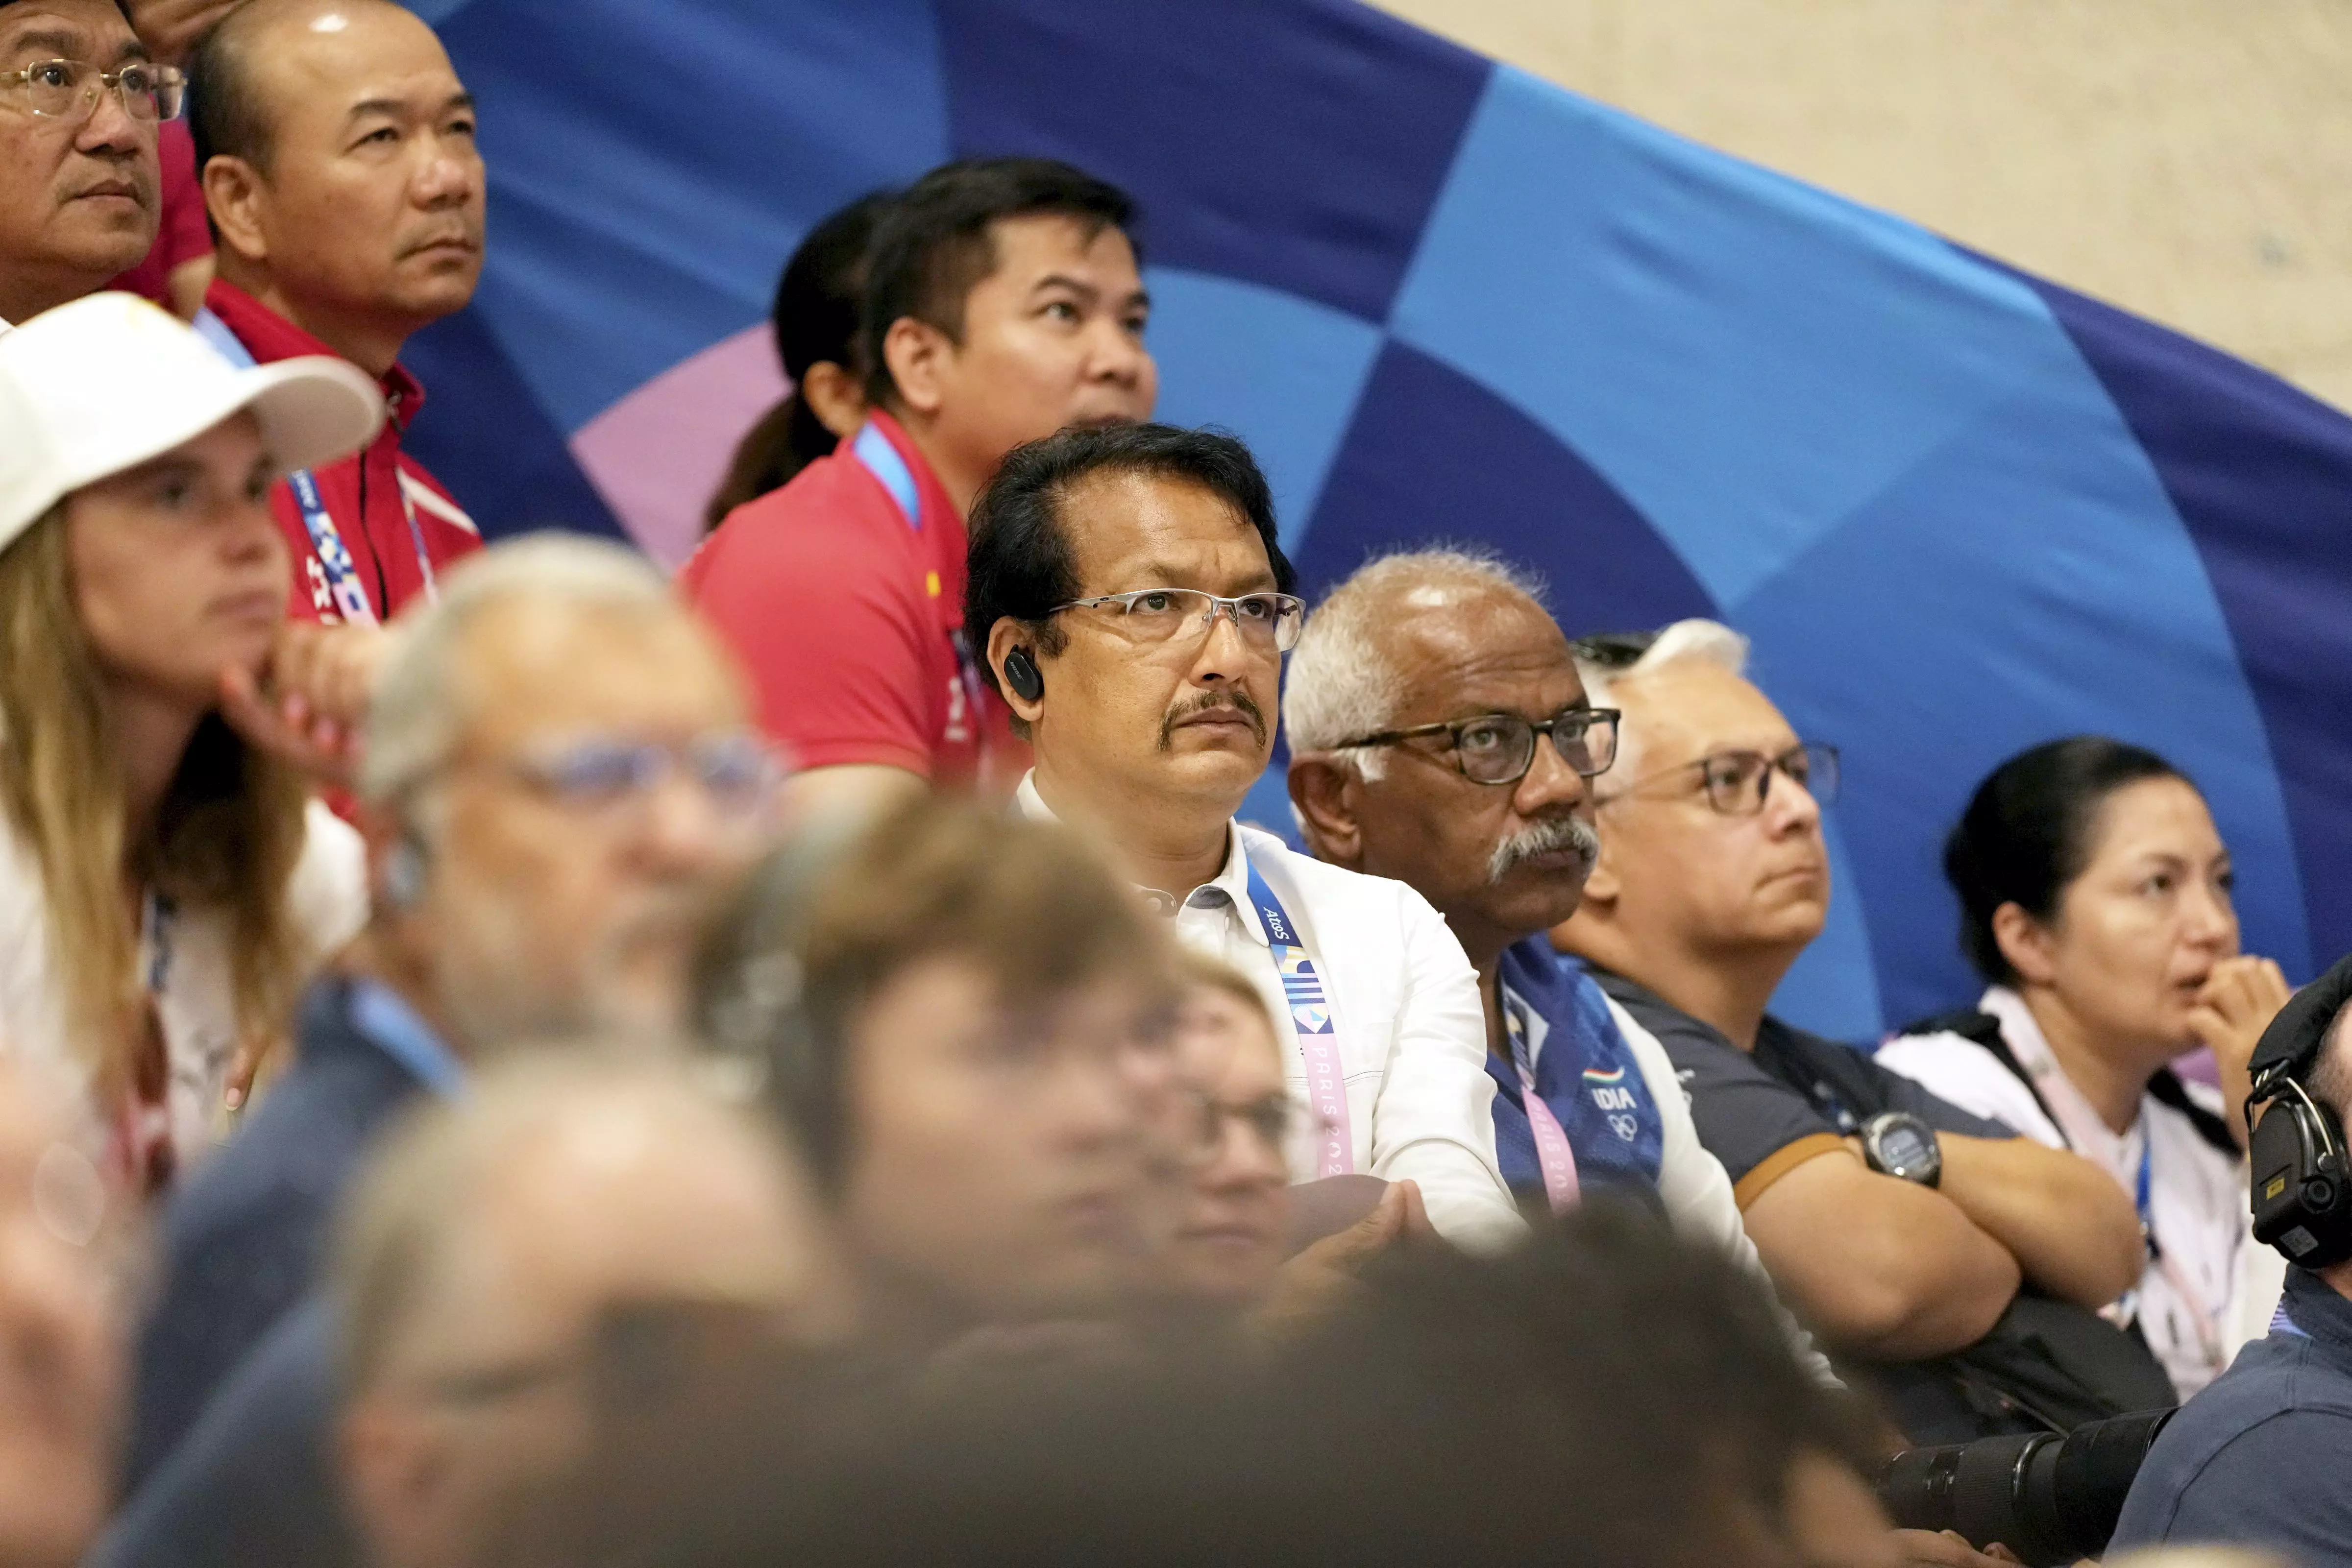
(1500, 749)
(1264, 618)
(1739, 782)
(60, 87)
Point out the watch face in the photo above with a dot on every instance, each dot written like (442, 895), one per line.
(1902, 1147)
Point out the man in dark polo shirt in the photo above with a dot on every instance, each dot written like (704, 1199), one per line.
(1899, 1227)
(2256, 1459)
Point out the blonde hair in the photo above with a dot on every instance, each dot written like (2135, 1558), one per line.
(226, 835)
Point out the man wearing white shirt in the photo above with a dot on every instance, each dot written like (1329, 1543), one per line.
(1135, 605)
(1440, 734)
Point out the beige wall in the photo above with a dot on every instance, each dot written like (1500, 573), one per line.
(2190, 160)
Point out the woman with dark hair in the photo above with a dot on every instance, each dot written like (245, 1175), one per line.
(815, 322)
(2095, 903)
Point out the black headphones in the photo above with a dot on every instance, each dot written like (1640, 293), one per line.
(2295, 1150)
(2302, 1188)
(1021, 675)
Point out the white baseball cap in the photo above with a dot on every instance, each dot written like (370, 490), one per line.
(103, 384)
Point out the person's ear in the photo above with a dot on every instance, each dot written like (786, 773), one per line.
(1003, 638)
(835, 397)
(1327, 794)
(237, 199)
(918, 354)
(2025, 943)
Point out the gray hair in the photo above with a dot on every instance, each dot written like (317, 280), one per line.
(1699, 640)
(415, 718)
(422, 1192)
(1341, 682)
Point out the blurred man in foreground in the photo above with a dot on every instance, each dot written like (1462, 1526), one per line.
(558, 776)
(969, 1027)
(79, 202)
(60, 1359)
(347, 197)
(1137, 606)
(480, 1251)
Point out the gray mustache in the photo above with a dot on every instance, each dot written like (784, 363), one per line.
(1552, 834)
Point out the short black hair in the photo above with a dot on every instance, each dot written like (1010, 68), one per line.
(1022, 562)
(2028, 833)
(226, 116)
(934, 245)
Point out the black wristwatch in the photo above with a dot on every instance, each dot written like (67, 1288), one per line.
(1897, 1143)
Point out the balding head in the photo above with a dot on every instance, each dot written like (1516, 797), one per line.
(340, 170)
(1445, 637)
(255, 59)
(490, 1237)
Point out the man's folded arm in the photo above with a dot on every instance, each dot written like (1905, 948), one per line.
(2068, 1224)
(1880, 1268)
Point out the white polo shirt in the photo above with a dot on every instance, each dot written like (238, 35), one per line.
(2198, 1304)
(1411, 1025)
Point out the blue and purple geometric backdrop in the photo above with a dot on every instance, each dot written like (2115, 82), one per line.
(1959, 509)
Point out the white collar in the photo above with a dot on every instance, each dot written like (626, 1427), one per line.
(1229, 886)
(2079, 1123)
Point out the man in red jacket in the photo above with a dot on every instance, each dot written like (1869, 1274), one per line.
(346, 197)
(1003, 303)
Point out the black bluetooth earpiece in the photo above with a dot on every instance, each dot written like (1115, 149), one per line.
(1021, 675)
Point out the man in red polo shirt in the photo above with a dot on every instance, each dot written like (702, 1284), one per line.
(346, 197)
(1003, 303)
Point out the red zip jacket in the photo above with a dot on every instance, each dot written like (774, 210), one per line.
(369, 494)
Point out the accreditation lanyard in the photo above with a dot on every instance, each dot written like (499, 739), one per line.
(1319, 1038)
(878, 457)
(2085, 1134)
(344, 587)
(1554, 1157)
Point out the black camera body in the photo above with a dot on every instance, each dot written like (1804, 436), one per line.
(2052, 1499)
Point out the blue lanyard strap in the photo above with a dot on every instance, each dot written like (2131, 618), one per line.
(882, 459)
(1310, 1016)
(344, 587)
(393, 1027)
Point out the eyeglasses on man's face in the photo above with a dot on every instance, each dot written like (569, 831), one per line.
(1268, 620)
(1499, 748)
(1737, 782)
(69, 89)
(737, 772)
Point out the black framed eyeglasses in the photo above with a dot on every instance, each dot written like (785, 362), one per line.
(1158, 614)
(1499, 748)
(63, 89)
(1739, 782)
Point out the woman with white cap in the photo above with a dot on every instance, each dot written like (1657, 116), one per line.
(165, 883)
